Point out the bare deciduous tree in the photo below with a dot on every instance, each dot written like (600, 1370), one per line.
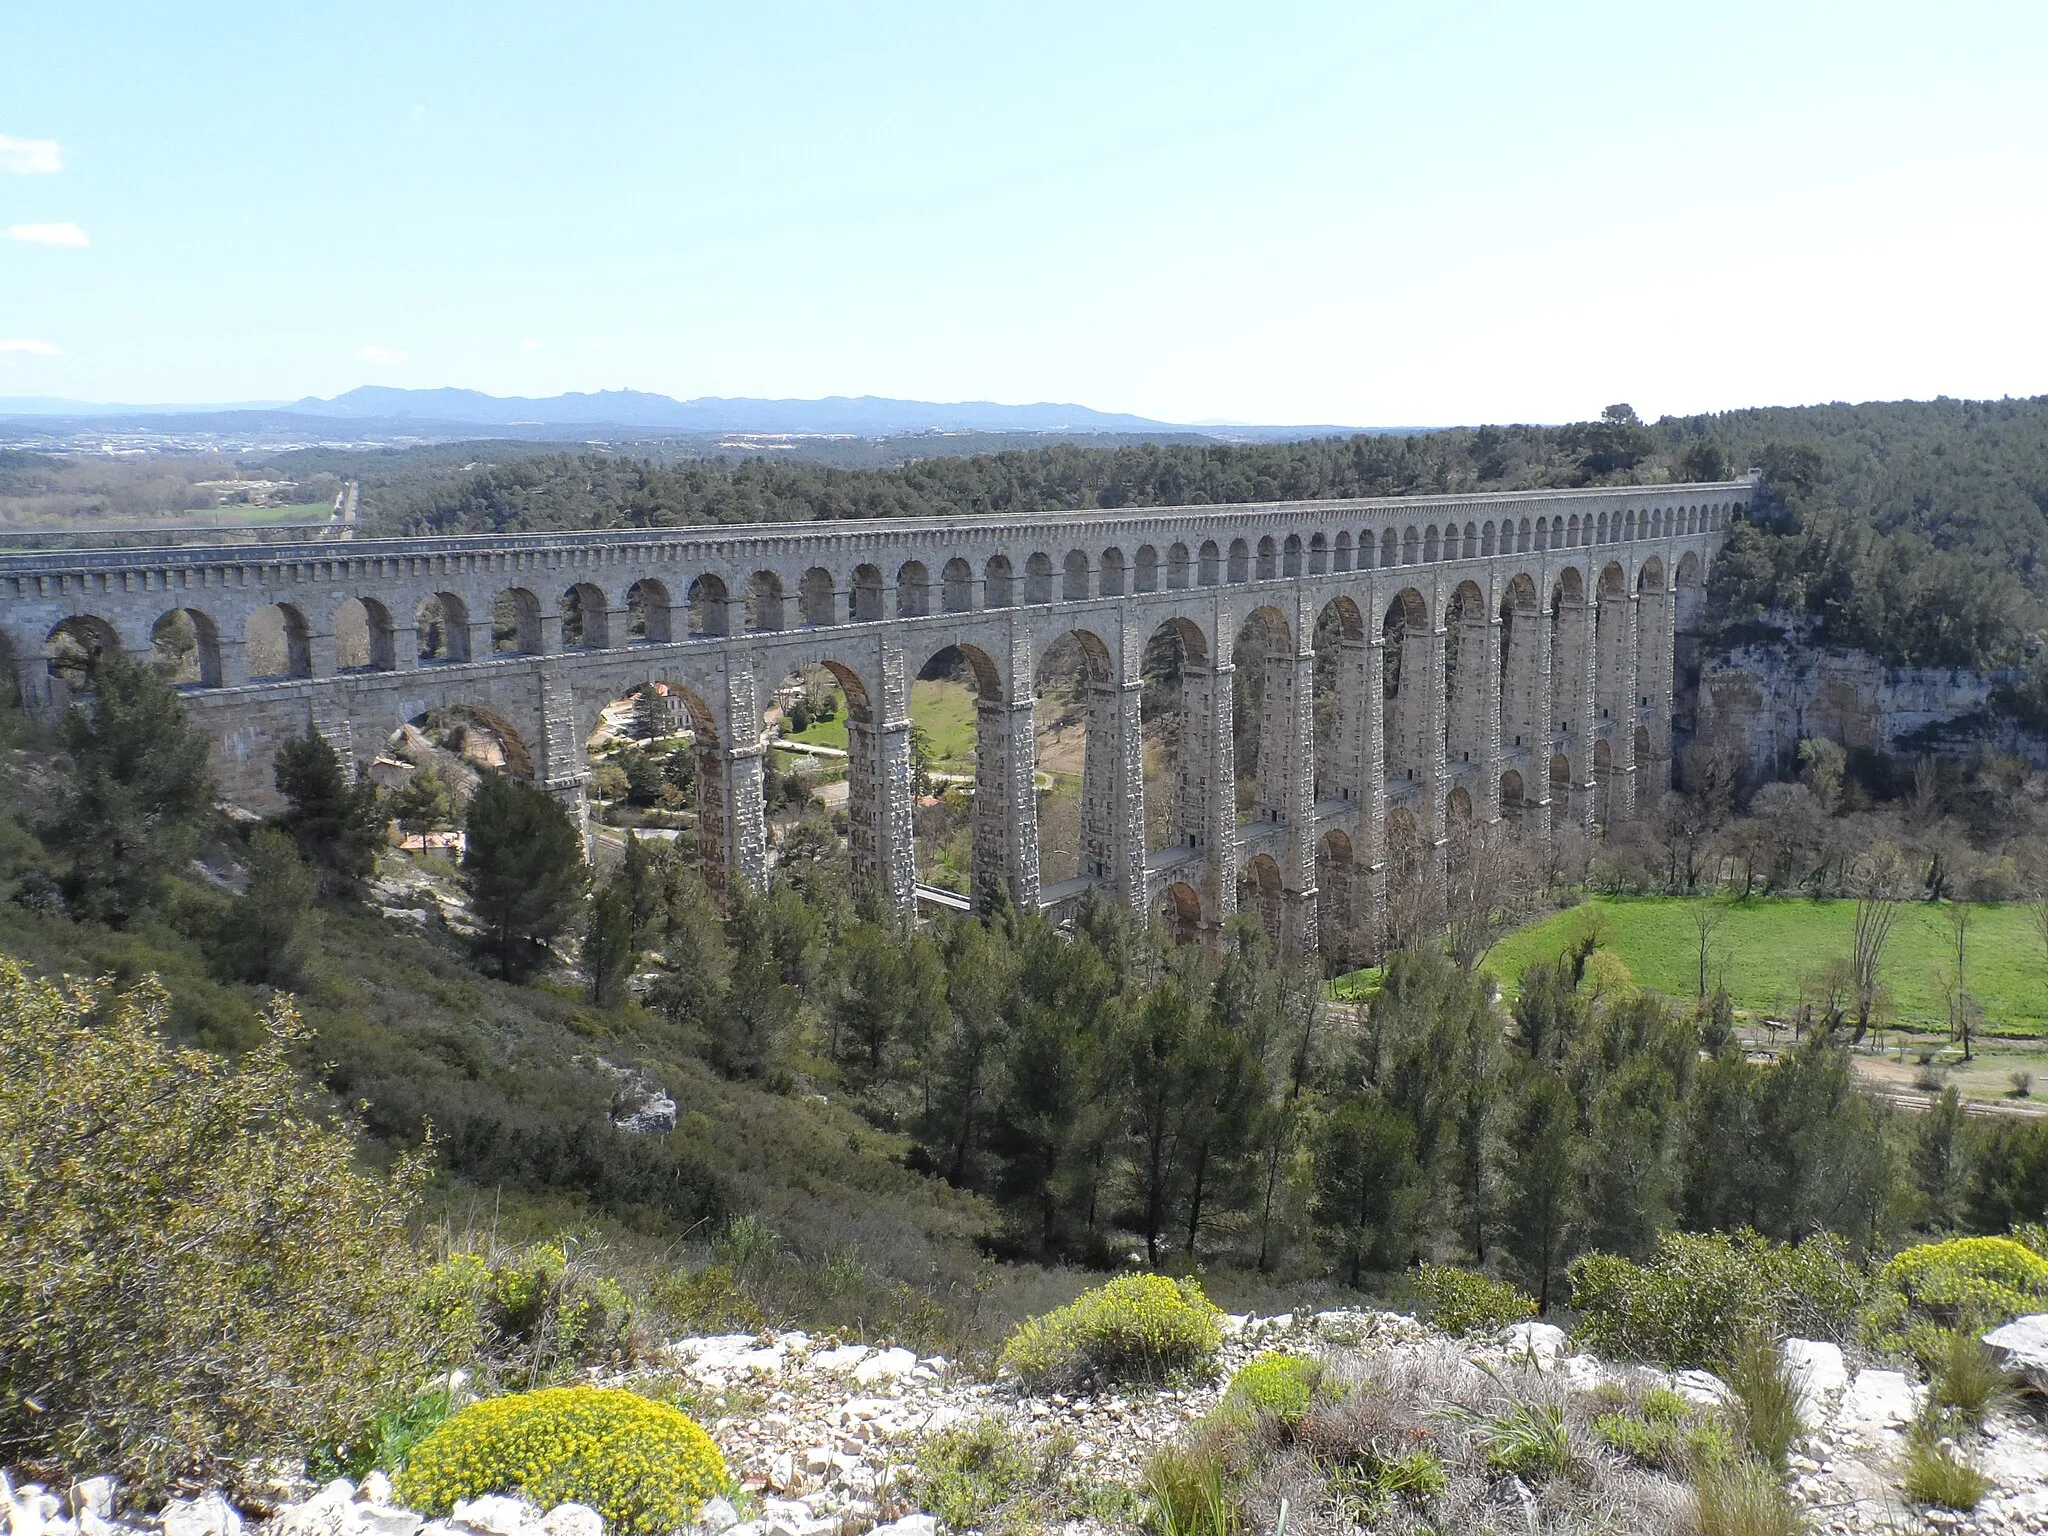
(1879, 881)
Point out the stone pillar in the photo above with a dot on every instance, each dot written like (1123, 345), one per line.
(1006, 799)
(1656, 683)
(1615, 684)
(1372, 815)
(1113, 786)
(481, 637)
(732, 821)
(234, 662)
(560, 767)
(1287, 727)
(894, 834)
(1526, 715)
(1436, 761)
(1571, 671)
(1206, 796)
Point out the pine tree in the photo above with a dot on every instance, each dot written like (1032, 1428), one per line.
(1542, 1184)
(335, 823)
(523, 870)
(138, 792)
(608, 943)
(1368, 1191)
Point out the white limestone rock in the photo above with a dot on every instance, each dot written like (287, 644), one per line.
(909, 1525)
(496, 1514)
(208, 1515)
(2020, 1349)
(94, 1494)
(1540, 1342)
(837, 1362)
(1703, 1389)
(717, 1515)
(572, 1520)
(1817, 1369)
(887, 1365)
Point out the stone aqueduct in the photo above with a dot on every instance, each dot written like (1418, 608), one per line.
(1504, 656)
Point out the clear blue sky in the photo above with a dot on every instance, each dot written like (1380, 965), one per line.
(1359, 213)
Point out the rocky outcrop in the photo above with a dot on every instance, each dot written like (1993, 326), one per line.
(1766, 697)
(2020, 1349)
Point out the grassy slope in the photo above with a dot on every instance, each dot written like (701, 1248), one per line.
(1764, 950)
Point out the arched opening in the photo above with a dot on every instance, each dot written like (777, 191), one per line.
(1471, 541)
(998, 583)
(914, 589)
(441, 629)
(1176, 713)
(1429, 547)
(1240, 561)
(958, 588)
(1318, 555)
(1468, 679)
(764, 601)
(1603, 785)
(277, 642)
(1258, 890)
(1511, 795)
(364, 637)
(1177, 566)
(1411, 546)
(710, 606)
(820, 771)
(1388, 546)
(586, 618)
(1262, 654)
(458, 743)
(1409, 725)
(1571, 706)
(1073, 577)
(867, 594)
(647, 613)
(74, 648)
(1486, 539)
(1080, 793)
(515, 623)
(1145, 569)
(1268, 559)
(958, 743)
(1112, 572)
(1038, 579)
(1180, 911)
(1458, 807)
(816, 597)
(1336, 919)
(185, 649)
(1342, 556)
(658, 770)
(1212, 560)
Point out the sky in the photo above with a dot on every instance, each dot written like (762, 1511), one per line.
(1357, 213)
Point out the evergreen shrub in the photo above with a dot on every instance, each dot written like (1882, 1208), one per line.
(1969, 1283)
(1462, 1301)
(1135, 1328)
(1700, 1292)
(646, 1466)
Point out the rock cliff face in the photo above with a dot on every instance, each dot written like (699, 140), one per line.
(1765, 697)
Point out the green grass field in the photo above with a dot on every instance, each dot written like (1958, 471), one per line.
(1765, 950)
(825, 733)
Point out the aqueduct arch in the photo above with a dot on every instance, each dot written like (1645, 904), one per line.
(1480, 656)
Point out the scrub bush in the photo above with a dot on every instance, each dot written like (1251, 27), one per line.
(1280, 1386)
(1136, 1328)
(194, 1274)
(1462, 1301)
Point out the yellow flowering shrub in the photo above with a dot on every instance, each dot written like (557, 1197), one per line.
(1969, 1283)
(1136, 1328)
(645, 1466)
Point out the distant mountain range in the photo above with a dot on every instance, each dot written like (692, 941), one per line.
(434, 412)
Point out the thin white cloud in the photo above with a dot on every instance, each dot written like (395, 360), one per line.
(48, 234)
(529, 345)
(30, 157)
(32, 348)
(376, 354)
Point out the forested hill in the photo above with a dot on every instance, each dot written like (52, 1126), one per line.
(1914, 530)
